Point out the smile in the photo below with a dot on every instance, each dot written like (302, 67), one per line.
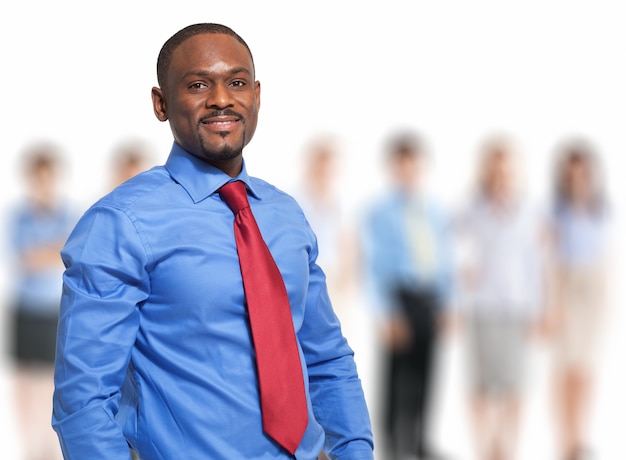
(221, 124)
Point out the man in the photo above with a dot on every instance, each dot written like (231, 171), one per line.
(408, 274)
(155, 349)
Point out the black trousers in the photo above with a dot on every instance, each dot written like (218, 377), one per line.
(408, 378)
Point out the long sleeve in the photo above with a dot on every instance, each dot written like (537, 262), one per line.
(335, 388)
(379, 246)
(442, 227)
(104, 282)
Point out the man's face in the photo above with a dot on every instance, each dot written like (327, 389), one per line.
(408, 171)
(211, 99)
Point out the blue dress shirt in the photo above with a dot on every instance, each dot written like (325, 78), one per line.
(154, 344)
(389, 264)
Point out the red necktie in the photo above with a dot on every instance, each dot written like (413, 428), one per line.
(283, 402)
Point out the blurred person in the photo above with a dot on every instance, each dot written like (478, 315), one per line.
(501, 295)
(38, 225)
(318, 195)
(408, 273)
(580, 223)
(128, 159)
(161, 343)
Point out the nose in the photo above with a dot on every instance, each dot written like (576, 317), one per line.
(219, 97)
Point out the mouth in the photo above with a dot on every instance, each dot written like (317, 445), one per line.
(221, 122)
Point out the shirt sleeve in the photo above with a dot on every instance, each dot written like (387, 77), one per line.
(104, 282)
(443, 229)
(335, 388)
(373, 237)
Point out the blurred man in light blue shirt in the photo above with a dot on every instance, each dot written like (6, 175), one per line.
(408, 271)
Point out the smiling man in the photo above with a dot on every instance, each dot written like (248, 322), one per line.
(159, 346)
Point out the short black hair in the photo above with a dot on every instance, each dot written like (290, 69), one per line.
(165, 55)
(43, 155)
(404, 144)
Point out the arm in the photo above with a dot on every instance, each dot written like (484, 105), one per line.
(38, 251)
(379, 259)
(335, 388)
(104, 281)
(448, 320)
(376, 243)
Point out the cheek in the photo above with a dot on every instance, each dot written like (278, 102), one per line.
(251, 121)
(185, 116)
(185, 107)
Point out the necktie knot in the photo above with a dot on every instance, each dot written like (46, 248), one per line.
(235, 195)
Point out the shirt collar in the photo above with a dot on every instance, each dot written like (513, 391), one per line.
(199, 178)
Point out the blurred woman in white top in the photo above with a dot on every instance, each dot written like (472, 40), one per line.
(501, 296)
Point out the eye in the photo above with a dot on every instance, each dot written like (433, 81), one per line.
(198, 85)
(238, 83)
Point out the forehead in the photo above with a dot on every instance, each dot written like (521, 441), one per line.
(210, 51)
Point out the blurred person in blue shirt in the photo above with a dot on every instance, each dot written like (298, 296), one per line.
(154, 343)
(580, 224)
(38, 226)
(408, 273)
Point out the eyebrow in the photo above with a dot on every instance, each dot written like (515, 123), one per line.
(204, 73)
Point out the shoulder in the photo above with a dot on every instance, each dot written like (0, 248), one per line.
(19, 211)
(383, 204)
(436, 207)
(267, 192)
(148, 187)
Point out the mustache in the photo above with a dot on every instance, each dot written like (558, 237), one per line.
(221, 113)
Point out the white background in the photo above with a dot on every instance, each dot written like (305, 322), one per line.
(80, 74)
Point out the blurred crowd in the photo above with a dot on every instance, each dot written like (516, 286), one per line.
(496, 271)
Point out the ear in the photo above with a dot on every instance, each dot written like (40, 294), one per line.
(257, 93)
(158, 104)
